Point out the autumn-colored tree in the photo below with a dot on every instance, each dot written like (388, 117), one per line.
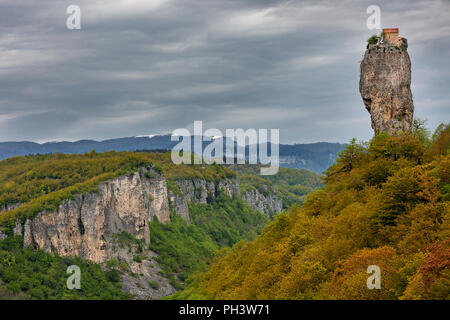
(440, 141)
(349, 279)
(383, 204)
(349, 158)
(432, 281)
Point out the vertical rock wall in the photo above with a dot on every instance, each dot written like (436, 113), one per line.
(385, 87)
(88, 226)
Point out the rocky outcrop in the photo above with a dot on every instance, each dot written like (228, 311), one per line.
(199, 191)
(385, 86)
(179, 205)
(93, 226)
(86, 226)
(18, 229)
(155, 187)
(141, 275)
(266, 202)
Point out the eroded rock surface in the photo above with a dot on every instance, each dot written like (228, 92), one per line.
(385, 87)
(143, 278)
(86, 225)
(91, 225)
(267, 203)
(199, 191)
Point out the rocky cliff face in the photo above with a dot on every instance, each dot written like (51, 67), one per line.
(199, 191)
(92, 226)
(18, 228)
(267, 203)
(203, 192)
(87, 225)
(385, 87)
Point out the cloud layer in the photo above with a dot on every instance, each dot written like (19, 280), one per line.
(148, 67)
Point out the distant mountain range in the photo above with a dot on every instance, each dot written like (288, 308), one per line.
(315, 157)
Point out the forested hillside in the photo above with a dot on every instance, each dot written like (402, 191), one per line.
(32, 184)
(187, 248)
(185, 245)
(33, 274)
(385, 203)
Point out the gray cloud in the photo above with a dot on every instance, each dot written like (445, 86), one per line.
(148, 67)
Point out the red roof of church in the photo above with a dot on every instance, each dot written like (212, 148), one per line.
(390, 30)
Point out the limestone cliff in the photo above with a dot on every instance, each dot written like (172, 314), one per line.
(267, 202)
(385, 86)
(87, 225)
(199, 191)
(203, 192)
(94, 226)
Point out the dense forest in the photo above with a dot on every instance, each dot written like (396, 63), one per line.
(384, 203)
(42, 182)
(187, 248)
(34, 274)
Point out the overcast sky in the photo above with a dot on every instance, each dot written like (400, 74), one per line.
(142, 67)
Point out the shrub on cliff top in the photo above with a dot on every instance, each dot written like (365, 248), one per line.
(373, 39)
